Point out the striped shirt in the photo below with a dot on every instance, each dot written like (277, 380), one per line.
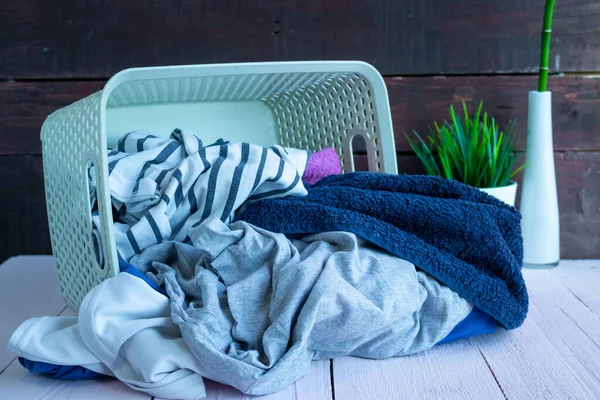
(162, 187)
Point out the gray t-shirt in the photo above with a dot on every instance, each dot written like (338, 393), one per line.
(257, 307)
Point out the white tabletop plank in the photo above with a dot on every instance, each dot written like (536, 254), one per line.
(314, 386)
(450, 371)
(571, 327)
(317, 385)
(582, 279)
(577, 352)
(28, 288)
(527, 366)
(556, 354)
(552, 294)
(16, 383)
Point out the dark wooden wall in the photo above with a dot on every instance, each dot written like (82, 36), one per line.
(432, 52)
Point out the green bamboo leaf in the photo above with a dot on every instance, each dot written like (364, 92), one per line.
(545, 51)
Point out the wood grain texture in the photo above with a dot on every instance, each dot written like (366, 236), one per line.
(18, 383)
(567, 323)
(25, 106)
(452, 371)
(573, 273)
(314, 386)
(415, 102)
(28, 288)
(437, 37)
(23, 213)
(527, 366)
(578, 180)
(91, 39)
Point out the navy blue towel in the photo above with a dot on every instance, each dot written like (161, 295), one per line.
(465, 238)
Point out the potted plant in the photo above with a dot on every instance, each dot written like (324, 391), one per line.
(539, 200)
(472, 150)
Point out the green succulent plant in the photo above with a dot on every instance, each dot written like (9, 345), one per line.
(472, 150)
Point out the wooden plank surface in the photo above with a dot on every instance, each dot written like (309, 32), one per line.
(568, 324)
(527, 366)
(28, 288)
(87, 38)
(578, 180)
(571, 276)
(25, 106)
(315, 386)
(17, 383)
(451, 371)
(437, 37)
(555, 354)
(23, 213)
(415, 102)
(91, 39)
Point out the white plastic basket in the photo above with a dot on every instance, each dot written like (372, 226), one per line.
(298, 104)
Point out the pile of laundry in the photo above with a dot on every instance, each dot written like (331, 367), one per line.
(242, 264)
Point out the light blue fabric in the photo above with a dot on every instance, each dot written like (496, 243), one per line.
(476, 323)
(258, 308)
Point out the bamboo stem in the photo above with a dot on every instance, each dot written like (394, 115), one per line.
(545, 56)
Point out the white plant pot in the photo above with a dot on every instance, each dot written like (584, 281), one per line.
(506, 193)
(539, 200)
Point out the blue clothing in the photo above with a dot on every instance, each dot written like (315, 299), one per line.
(476, 323)
(124, 266)
(467, 239)
(67, 372)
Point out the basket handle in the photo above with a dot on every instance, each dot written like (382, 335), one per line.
(348, 151)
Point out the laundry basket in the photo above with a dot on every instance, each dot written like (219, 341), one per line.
(297, 104)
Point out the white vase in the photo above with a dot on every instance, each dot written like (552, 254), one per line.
(539, 200)
(506, 193)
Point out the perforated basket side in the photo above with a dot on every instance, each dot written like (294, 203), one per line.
(316, 105)
(314, 109)
(326, 111)
(70, 142)
(238, 87)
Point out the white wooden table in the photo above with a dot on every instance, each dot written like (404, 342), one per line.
(554, 355)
